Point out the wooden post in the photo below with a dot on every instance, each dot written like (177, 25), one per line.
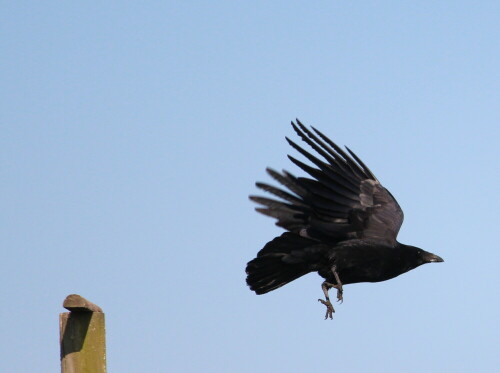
(82, 337)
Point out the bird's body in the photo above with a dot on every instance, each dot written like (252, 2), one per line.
(341, 223)
(359, 261)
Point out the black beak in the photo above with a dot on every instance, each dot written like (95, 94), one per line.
(432, 258)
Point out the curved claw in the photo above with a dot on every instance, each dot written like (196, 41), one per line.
(340, 298)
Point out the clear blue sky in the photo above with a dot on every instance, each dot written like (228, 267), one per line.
(133, 132)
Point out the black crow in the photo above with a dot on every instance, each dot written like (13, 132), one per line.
(340, 222)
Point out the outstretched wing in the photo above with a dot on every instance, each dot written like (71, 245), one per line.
(341, 199)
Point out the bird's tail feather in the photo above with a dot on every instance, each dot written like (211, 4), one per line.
(282, 260)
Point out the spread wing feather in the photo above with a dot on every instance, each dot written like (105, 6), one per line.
(340, 200)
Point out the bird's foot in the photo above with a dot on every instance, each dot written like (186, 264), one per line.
(340, 292)
(329, 308)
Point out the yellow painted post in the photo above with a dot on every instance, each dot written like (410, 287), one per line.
(82, 337)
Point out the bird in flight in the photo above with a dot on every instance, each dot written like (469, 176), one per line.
(339, 221)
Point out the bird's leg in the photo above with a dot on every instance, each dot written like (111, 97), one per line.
(340, 291)
(327, 286)
(329, 308)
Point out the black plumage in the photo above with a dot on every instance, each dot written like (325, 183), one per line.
(339, 221)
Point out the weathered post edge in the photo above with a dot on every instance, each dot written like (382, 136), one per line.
(82, 336)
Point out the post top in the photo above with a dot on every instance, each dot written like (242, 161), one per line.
(77, 303)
